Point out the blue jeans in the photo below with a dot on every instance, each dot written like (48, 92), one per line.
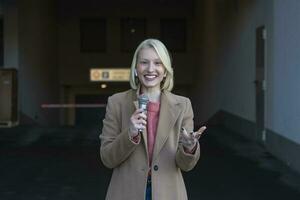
(148, 189)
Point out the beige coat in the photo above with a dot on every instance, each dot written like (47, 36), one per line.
(129, 161)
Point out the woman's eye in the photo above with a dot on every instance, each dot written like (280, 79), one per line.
(143, 62)
(158, 63)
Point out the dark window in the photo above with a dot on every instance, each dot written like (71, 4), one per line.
(133, 32)
(92, 35)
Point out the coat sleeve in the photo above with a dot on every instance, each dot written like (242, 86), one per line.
(186, 161)
(116, 146)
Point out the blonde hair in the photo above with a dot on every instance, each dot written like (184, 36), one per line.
(164, 56)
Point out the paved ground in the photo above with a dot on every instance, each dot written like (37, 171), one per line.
(39, 163)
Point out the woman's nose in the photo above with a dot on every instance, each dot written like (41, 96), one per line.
(151, 67)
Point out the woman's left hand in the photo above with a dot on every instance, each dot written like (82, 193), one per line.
(189, 140)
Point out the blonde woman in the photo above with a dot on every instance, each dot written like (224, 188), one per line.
(148, 150)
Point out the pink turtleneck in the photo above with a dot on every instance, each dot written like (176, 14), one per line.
(152, 122)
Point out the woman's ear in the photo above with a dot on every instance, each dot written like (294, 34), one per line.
(136, 78)
(135, 72)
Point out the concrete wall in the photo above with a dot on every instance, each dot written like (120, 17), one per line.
(227, 67)
(284, 108)
(10, 22)
(30, 46)
(227, 70)
(205, 98)
(38, 72)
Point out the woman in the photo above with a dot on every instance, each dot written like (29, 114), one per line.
(148, 150)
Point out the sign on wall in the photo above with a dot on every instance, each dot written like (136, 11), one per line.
(107, 75)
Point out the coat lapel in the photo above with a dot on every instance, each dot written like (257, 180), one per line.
(169, 112)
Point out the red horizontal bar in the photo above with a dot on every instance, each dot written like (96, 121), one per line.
(73, 105)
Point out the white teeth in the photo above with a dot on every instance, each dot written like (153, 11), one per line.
(150, 76)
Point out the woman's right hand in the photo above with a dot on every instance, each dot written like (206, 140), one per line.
(138, 121)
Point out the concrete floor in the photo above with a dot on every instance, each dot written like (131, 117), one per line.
(38, 163)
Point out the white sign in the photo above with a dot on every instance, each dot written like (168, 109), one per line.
(107, 75)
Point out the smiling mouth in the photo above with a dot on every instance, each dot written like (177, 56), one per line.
(150, 77)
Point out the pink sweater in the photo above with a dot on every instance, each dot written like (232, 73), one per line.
(152, 121)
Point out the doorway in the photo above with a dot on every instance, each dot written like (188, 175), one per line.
(92, 111)
(260, 83)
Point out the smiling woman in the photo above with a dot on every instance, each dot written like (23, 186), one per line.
(154, 51)
(150, 70)
(148, 148)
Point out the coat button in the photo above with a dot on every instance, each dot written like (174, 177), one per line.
(155, 168)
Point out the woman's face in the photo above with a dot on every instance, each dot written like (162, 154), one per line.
(150, 69)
